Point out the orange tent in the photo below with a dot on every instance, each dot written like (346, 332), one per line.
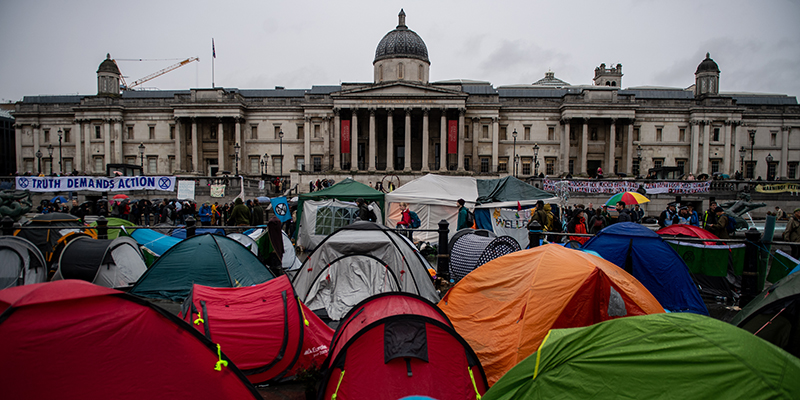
(505, 308)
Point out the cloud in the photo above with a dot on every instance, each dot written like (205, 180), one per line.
(521, 61)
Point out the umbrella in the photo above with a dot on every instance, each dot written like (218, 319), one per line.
(59, 199)
(627, 198)
(120, 196)
(263, 199)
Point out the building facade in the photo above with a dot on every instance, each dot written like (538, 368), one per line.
(402, 123)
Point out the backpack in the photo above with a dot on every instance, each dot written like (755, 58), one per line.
(470, 219)
(731, 225)
(415, 222)
(548, 225)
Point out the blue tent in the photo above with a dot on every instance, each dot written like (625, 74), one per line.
(158, 243)
(180, 233)
(647, 257)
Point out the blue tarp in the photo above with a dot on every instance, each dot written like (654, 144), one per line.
(647, 257)
(156, 242)
(180, 233)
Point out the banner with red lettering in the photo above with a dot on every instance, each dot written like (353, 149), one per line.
(452, 137)
(345, 149)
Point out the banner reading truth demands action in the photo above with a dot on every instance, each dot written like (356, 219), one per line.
(95, 183)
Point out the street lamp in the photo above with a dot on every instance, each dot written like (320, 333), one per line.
(742, 152)
(39, 156)
(141, 156)
(50, 153)
(266, 162)
(280, 135)
(639, 159)
(236, 148)
(536, 159)
(752, 133)
(514, 134)
(60, 154)
(769, 161)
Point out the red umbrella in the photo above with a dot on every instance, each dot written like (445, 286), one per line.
(688, 230)
(120, 197)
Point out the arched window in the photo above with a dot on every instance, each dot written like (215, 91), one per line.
(608, 83)
(613, 83)
(400, 71)
(421, 73)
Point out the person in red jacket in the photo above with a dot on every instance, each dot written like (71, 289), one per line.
(405, 217)
(578, 225)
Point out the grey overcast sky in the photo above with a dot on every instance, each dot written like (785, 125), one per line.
(55, 47)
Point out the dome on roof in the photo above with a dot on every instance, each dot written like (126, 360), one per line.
(707, 65)
(550, 80)
(108, 65)
(401, 43)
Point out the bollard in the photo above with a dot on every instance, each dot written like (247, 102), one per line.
(443, 260)
(750, 270)
(102, 228)
(190, 227)
(534, 234)
(8, 226)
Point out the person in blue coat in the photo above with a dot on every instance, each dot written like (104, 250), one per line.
(205, 214)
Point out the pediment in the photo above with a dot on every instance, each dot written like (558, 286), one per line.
(400, 89)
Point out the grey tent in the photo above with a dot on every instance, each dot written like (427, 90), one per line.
(21, 262)
(358, 261)
(116, 263)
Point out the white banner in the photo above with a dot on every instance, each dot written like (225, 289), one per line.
(94, 183)
(614, 187)
(217, 190)
(185, 190)
(512, 223)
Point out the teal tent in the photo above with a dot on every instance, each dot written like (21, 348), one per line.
(209, 260)
(664, 356)
(509, 189)
(346, 190)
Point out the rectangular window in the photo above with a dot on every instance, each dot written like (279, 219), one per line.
(152, 165)
(551, 133)
(130, 160)
(467, 163)
(502, 165)
(526, 166)
(681, 163)
(771, 170)
(773, 139)
(277, 165)
(636, 132)
(152, 132)
(466, 132)
(97, 134)
(171, 164)
(485, 132)
(129, 132)
(659, 134)
(277, 132)
(503, 133)
(635, 168)
(550, 165)
(98, 164)
(172, 132)
(47, 136)
(749, 170)
(67, 136)
(300, 163)
(617, 136)
(47, 166)
(300, 132)
(68, 166)
(658, 162)
(317, 131)
(715, 166)
(212, 134)
(716, 135)
(616, 165)
(791, 173)
(255, 167)
(573, 134)
(29, 165)
(484, 164)
(593, 134)
(571, 166)
(317, 160)
(682, 134)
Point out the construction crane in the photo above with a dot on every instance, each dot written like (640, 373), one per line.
(156, 74)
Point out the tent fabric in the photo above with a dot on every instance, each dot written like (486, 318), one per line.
(347, 190)
(776, 314)
(21, 263)
(359, 260)
(118, 222)
(689, 231)
(647, 257)
(113, 263)
(394, 345)
(264, 329)
(156, 242)
(653, 356)
(209, 260)
(47, 240)
(180, 233)
(289, 262)
(781, 265)
(505, 308)
(98, 343)
(509, 192)
(470, 251)
(321, 218)
(245, 241)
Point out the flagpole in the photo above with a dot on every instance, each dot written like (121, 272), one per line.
(213, 57)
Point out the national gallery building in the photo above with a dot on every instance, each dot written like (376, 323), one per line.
(401, 123)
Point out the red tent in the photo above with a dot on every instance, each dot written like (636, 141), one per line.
(264, 328)
(688, 230)
(71, 339)
(398, 344)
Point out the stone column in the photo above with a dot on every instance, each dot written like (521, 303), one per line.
(354, 141)
(107, 142)
(735, 143)
(443, 141)
(582, 158)
(120, 152)
(425, 140)
(337, 142)
(460, 153)
(612, 144)
(495, 143)
(565, 146)
(37, 145)
(629, 152)
(307, 144)
(237, 133)
(326, 142)
(783, 170)
(694, 147)
(407, 166)
(87, 144)
(220, 147)
(178, 150)
(476, 131)
(706, 146)
(726, 154)
(77, 164)
(18, 148)
(195, 149)
(373, 146)
(389, 139)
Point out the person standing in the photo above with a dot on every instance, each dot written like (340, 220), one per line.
(258, 213)
(240, 215)
(624, 213)
(639, 213)
(205, 214)
(668, 216)
(578, 225)
(405, 217)
(792, 232)
(462, 215)
(147, 208)
(597, 222)
(540, 216)
(720, 227)
(709, 215)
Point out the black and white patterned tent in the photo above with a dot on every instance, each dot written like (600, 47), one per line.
(470, 250)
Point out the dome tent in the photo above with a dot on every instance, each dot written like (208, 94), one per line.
(21, 263)
(113, 263)
(471, 250)
(357, 261)
(210, 260)
(98, 343)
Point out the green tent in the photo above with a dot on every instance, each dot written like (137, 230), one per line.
(775, 314)
(346, 190)
(114, 233)
(711, 260)
(664, 356)
(209, 260)
(509, 189)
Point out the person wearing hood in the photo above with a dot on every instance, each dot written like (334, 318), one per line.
(720, 227)
(205, 214)
(578, 225)
(258, 214)
(240, 216)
